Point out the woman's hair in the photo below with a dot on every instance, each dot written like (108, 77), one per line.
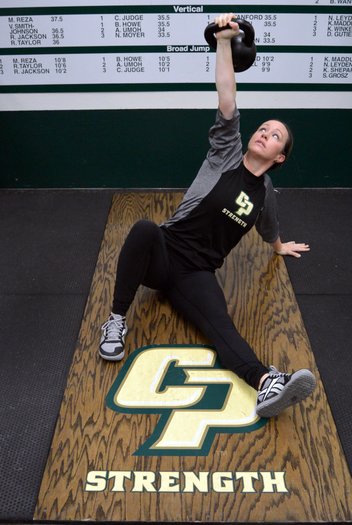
(287, 148)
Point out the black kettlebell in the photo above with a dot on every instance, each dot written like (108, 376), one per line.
(243, 46)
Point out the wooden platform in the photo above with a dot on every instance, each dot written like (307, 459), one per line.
(287, 469)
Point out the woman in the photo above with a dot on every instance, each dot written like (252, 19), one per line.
(230, 194)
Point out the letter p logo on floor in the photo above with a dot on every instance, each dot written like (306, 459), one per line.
(195, 396)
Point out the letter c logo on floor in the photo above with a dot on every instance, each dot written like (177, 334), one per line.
(195, 396)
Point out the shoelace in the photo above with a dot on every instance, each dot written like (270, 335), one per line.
(274, 373)
(113, 328)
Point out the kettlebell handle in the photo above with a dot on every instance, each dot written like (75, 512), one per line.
(242, 45)
(245, 27)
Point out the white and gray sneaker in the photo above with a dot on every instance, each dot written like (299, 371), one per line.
(112, 341)
(280, 391)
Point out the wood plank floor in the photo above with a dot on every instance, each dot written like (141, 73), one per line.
(302, 442)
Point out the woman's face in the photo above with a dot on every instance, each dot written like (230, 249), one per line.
(269, 141)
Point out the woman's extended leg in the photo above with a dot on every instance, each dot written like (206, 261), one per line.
(199, 297)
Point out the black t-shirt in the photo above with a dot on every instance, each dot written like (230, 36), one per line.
(203, 238)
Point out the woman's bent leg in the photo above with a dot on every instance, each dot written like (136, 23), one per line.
(200, 299)
(143, 260)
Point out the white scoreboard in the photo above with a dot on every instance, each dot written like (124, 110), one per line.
(130, 43)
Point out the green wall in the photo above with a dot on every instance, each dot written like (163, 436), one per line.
(157, 148)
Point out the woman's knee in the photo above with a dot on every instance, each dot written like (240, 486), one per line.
(144, 229)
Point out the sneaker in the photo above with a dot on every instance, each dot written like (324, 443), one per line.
(280, 391)
(112, 341)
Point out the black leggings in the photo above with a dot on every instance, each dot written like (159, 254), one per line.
(144, 259)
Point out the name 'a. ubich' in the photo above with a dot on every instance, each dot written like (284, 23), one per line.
(185, 482)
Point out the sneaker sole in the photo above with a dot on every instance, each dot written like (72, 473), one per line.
(300, 386)
(118, 357)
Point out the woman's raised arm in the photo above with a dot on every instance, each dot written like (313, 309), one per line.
(224, 73)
